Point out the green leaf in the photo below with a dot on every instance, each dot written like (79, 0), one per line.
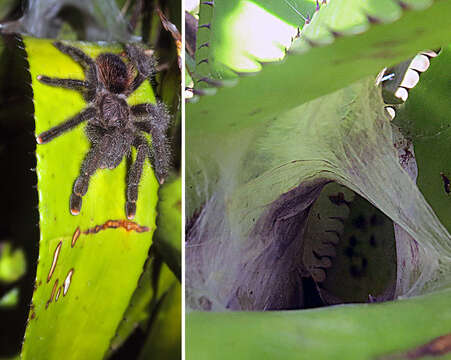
(154, 285)
(425, 121)
(83, 284)
(269, 29)
(343, 332)
(319, 70)
(164, 340)
(167, 238)
(139, 308)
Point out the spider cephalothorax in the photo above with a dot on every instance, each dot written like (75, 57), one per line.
(113, 126)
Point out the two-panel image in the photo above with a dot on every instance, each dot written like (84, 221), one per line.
(227, 179)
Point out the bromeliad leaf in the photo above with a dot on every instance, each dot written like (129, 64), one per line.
(89, 264)
(154, 284)
(310, 70)
(167, 238)
(425, 122)
(165, 339)
(355, 332)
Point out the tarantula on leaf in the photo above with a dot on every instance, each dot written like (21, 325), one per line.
(113, 126)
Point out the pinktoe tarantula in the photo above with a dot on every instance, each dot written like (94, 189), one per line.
(113, 126)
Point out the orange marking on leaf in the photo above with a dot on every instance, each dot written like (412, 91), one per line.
(75, 236)
(114, 224)
(437, 347)
(58, 294)
(52, 294)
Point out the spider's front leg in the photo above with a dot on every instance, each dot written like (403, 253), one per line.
(72, 84)
(91, 163)
(143, 62)
(55, 131)
(76, 54)
(88, 65)
(134, 176)
(156, 120)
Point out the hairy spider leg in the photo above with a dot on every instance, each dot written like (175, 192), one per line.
(86, 62)
(57, 130)
(134, 177)
(66, 83)
(75, 53)
(137, 81)
(145, 64)
(156, 123)
(90, 164)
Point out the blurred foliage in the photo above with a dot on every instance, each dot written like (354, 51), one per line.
(12, 263)
(10, 299)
